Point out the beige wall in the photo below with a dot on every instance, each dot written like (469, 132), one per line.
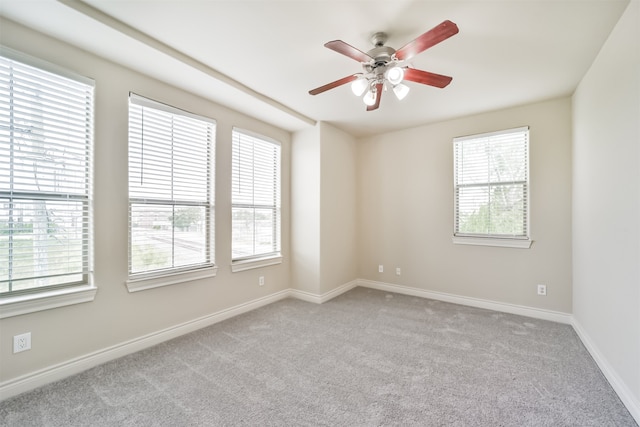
(338, 223)
(606, 202)
(305, 210)
(116, 316)
(405, 186)
(323, 208)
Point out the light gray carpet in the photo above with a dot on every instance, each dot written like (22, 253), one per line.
(366, 358)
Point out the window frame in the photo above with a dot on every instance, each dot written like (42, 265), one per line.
(138, 281)
(71, 292)
(499, 240)
(274, 257)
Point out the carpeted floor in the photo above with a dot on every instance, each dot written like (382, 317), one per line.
(366, 358)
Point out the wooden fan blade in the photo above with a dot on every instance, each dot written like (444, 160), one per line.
(331, 85)
(426, 78)
(348, 50)
(378, 96)
(432, 37)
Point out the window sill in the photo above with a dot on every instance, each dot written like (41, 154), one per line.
(248, 264)
(31, 303)
(492, 241)
(136, 284)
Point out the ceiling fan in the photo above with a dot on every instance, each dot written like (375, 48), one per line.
(383, 64)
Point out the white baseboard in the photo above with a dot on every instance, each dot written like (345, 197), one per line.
(554, 316)
(319, 299)
(74, 366)
(50, 374)
(626, 396)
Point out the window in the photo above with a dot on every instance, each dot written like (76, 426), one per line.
(255, 198)
(46, 138)
(170, 194)
(491, 181)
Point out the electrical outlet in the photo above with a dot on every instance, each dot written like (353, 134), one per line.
(261, 281)
(397, 271)
(22, 342)
(380, 268)
(542, 290)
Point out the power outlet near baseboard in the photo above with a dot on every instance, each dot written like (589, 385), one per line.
(542, 290)
(22, 342)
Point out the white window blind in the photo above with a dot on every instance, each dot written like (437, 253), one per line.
(46, 137)
(491, 179)
(255, 196)
(170, 189)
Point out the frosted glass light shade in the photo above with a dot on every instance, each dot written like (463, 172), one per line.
(394, 75)
(401, 91)
(359, 86)
(369, 98)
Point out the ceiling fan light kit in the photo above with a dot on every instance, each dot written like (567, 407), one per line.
(360, 86)
(401, 91)
(384, 66)
(369, 98)
(394, 75)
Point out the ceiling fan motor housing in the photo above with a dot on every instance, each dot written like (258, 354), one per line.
(382, 61)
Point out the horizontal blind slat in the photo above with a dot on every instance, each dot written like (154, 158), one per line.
(255, 195)
(46, 131)
(490, 180)
(170, 188)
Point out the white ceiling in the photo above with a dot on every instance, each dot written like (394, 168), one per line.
(262, 57)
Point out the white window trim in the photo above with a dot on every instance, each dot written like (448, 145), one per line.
(506, 241)
(492, 241)
(156, 279)
(17, 305)
(271, 258)
(248, 264)
(31, 303)
(141, 283)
